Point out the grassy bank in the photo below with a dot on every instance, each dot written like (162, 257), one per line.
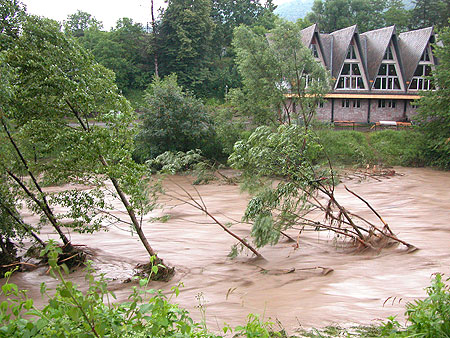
(385, 147)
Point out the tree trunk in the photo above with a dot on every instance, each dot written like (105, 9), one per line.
(155, 45)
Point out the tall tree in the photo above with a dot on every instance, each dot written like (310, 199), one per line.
(55, 79)
(79, 22)
(273, 67)
(434, 107)
(396, 14)
(332, 15)
(174, 120)
(11, 16)
(185, 42)
(430, 13)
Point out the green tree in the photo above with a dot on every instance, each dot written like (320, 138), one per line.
(11, 16)
(332, 15)
(428, 13)
(79, 22)
(68, 107)
(174, 120)
(396, 14)
(273, 68)
(186, 33)
(434, 107)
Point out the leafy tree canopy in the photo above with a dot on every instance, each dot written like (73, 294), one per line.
(434, 107)
(174, 120)
(273, 67)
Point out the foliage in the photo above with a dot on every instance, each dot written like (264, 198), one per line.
(274, 66)
(426, 318)
(125, 49)
(79, 22)
(428, 13)
(185, 41)
(434, 108)
(230, 127)
(398, 147)
(174, 120)
(171, 162)
(332, 15)
(291, 153)
(347, 147)
(67, 122)
(72, 313)
(11, 16)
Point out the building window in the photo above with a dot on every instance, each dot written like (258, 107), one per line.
(387, 103)
(314, 50)
(426, 55)
(387, 77)
(419, 82)
(388, 54)
(357, 103)
(351, 55)
(350, 77)
(346, 103)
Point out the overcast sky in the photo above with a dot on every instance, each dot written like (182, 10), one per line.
(107, 11)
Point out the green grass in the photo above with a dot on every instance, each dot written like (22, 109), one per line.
(386, 147)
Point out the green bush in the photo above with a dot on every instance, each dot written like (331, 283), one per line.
(427, 318)
(72, 313)
(398, 147)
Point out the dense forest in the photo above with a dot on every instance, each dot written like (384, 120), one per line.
(193, 38)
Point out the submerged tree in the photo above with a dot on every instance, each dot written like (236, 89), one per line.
(174, 120)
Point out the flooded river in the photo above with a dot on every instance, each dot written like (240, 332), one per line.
(416, 204)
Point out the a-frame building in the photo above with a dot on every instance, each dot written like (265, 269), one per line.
(376, 75)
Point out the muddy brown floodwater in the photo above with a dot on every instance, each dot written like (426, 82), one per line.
(416, 204)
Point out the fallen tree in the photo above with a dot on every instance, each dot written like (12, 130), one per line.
(292, 189)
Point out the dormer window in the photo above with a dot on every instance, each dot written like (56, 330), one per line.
(350, 77)
(419, 82)
(351, 55)
(421, 78)
(389, 74)
(387, 77)
(314, 50)
(425, 56)
(388, 54)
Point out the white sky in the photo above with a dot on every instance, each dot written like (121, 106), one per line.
(107, 11)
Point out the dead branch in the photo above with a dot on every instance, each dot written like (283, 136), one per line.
(202, 207)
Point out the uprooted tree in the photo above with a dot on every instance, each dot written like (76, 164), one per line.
(64, 121)
(294, 189)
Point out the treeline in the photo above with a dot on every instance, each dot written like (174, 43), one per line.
(189, 38)
(193, 38)
(332, 15)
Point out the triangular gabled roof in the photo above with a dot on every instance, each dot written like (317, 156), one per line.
(307, 34)
(341, 42)
(327, 44)
(311, 33)
(377, 42)
(412, 45)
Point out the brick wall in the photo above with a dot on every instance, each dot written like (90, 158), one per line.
(351, 113)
